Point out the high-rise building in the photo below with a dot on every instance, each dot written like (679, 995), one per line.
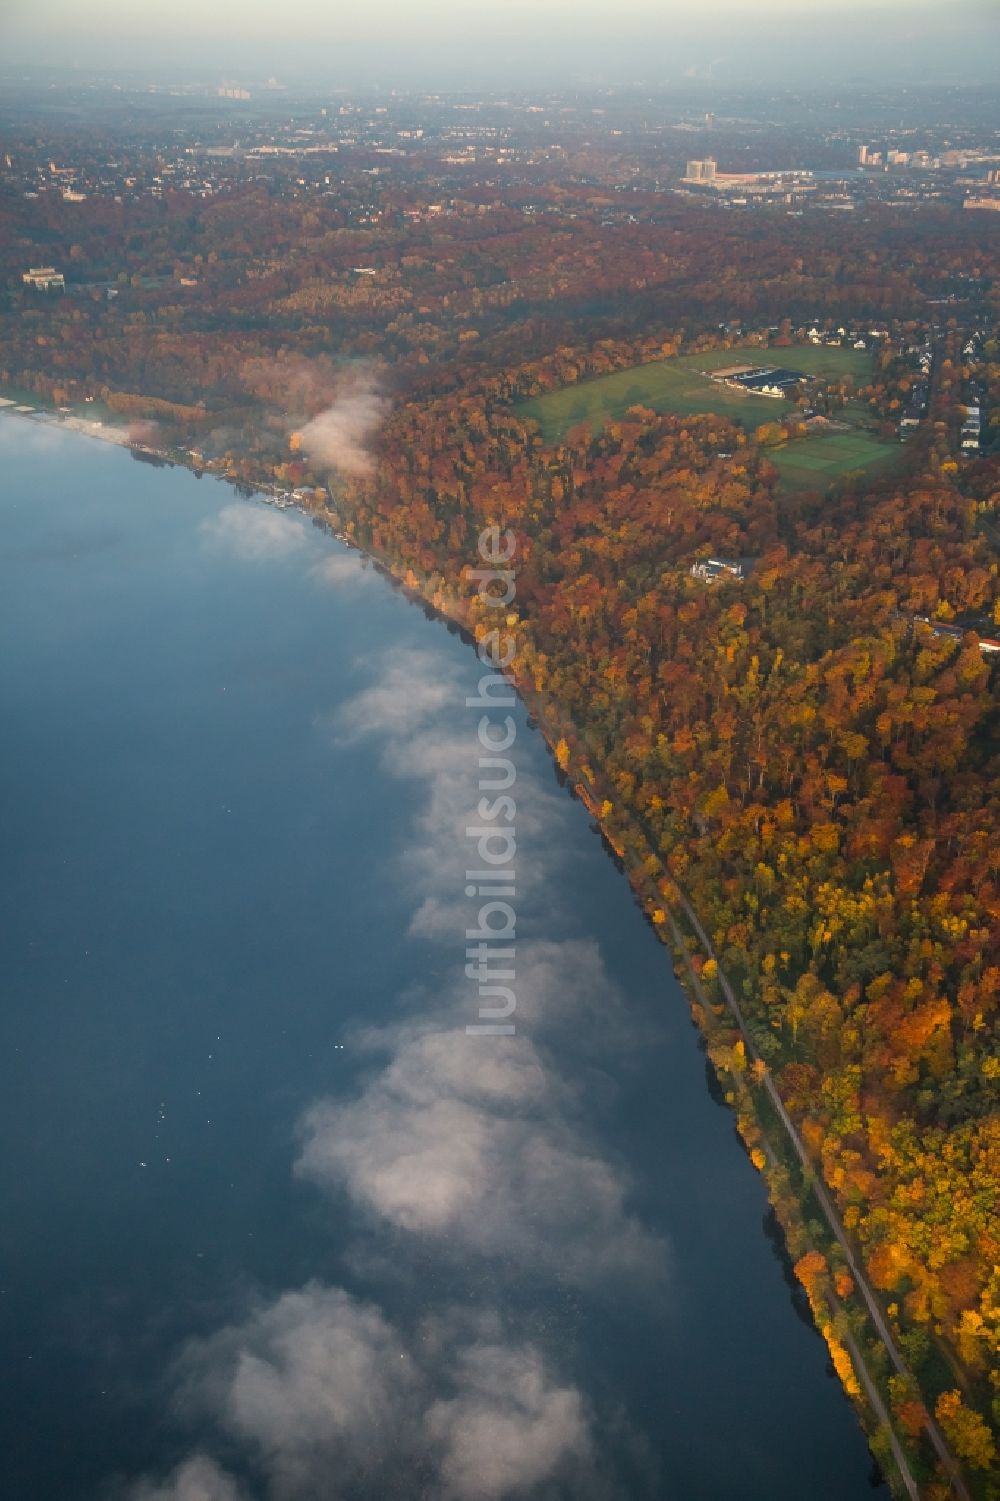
(701, 171)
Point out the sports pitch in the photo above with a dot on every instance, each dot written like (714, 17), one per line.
(680, 386)
(815, 462)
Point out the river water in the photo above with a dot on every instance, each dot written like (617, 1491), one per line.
(273, 1223)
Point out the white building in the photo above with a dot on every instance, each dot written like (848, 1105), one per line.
(44, 278)
(713, 568)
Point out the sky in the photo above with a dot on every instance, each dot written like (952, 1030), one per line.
(446, 42)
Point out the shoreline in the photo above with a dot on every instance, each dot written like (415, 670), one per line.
(82, 426)
(653, 890)
(859, 1385)
(272, 495)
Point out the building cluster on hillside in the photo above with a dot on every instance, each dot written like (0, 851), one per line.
(837, 338)
(988, 645)
(973, 170)
(901, 172)
(921, 161)
(921, 357)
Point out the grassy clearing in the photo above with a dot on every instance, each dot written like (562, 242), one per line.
(663, 385)
(814, 463)
(811, 359)
(679, 386)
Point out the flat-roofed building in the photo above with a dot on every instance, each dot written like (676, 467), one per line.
(44, 278)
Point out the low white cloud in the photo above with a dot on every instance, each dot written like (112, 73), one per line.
(405, 712)
(325, 1396)
(433, 862)
(314, 1379)
(565, 993)
(411, 689)
(509, 1428)
(479, 1146)
(343, 571)
(254, 534)
(197, 1479)
(340, 435)
(439, 852)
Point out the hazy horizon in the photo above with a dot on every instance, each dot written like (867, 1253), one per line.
(819, 45)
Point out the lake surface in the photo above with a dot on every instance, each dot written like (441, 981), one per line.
(272, 1222)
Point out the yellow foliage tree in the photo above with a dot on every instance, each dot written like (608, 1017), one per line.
(965, 1431)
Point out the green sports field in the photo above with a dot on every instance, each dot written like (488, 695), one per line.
(814, 463)
(663, 385)
(680, 386)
